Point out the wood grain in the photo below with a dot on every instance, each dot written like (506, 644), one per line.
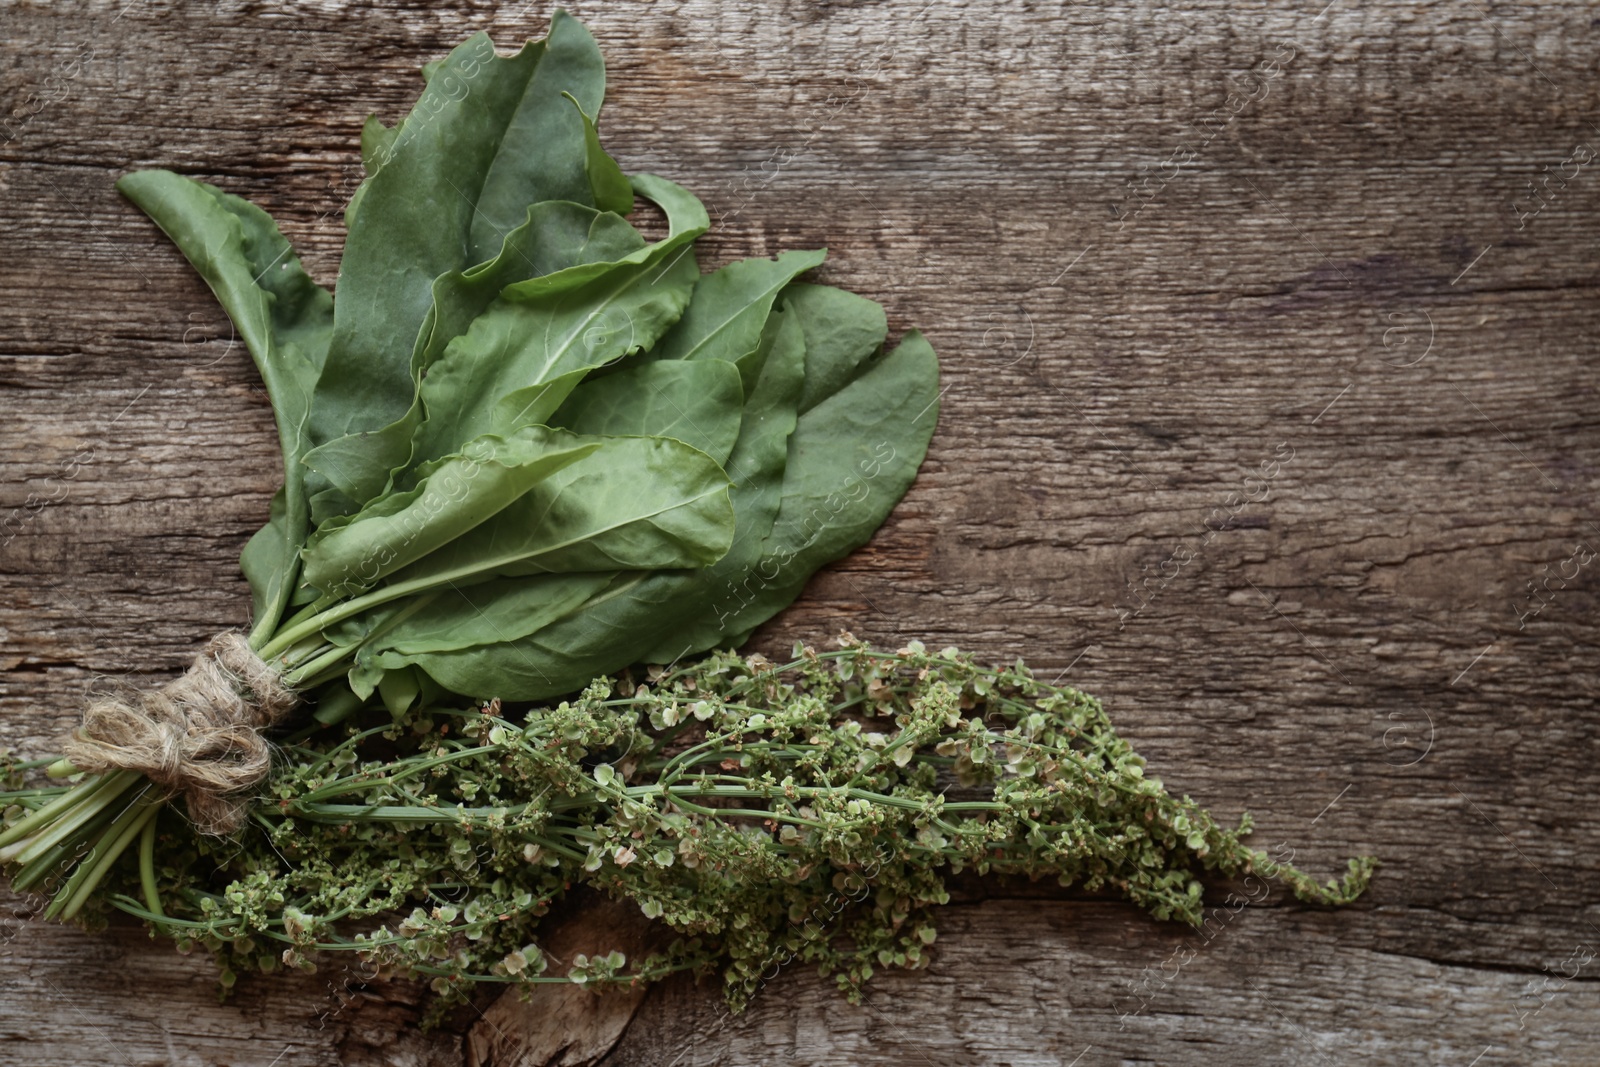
(1335, 269)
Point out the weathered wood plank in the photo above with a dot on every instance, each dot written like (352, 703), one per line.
(1333, 279)
(1259, 988)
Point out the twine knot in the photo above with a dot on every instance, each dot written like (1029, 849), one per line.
(198, 735)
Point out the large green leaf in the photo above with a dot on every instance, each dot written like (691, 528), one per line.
(543, 663)
(852, 457)
(634, 502)
(831, 483)
(494, 611)
(849, 460)
(560, 247)
(700, 403)
(642, 503)
(610, 185)
(730, 308)
(543, 153)
(686, 220)
(708, 603)
(270, 562)
(521, 357)
(635, 611)
(453, 495)
(489, 136)
(668, 508)
(842, 331)
(285, 320)
(560, 243)
(557, 235)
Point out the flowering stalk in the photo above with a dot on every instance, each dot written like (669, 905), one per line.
(808, 811)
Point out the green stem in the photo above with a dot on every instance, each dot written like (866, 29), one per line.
(302, 652)
(110, 788)
(32, 822)
(768, 792)
(147, 867)
(297, 677)
(263, 634)
(289, 635)
(343, 786)
(114, 840)
(400, 813)
(63, 854)
(37, 797)
(687, 758)
(36, 871)
(315, 680)
(558, 848)
(327, 666)
(33, 764)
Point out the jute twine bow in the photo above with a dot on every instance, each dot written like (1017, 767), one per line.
(197, 735)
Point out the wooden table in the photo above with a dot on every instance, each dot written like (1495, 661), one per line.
(1269, 338)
